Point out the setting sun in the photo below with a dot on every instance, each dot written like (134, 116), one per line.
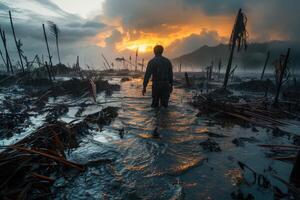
(143, 48)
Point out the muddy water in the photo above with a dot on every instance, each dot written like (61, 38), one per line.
(172, 166)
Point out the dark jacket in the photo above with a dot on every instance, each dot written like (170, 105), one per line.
(160, 68)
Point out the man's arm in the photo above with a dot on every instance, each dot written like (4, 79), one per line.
(147, 77)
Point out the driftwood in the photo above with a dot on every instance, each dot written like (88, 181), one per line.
(29, 167)
(257, 112)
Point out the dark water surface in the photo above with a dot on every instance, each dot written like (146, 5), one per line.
(172, 166)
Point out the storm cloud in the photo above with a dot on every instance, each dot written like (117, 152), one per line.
(123, 25)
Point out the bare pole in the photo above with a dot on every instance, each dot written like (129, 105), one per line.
(57, 49)
(8, 61)
(228, 69)
(265, 65)
(106, 61)
(143, 62)
(219, 67)
(238, 37)
(282, 72)
(55, 31)
(211, 70)
(2, 58)
(136, 58)
(48, 70)
(16, 42)
(49, 55)
(105, 66)
(180, 65)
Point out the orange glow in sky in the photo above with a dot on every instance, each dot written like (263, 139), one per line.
(164, 34)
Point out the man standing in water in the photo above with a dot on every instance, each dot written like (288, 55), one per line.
(160, 68)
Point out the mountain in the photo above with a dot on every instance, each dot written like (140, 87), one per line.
(253, 58)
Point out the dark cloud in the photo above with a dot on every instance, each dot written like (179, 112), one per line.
(115, 37)
(217, 7)
(267, 20)
(137, 14)
(53, 7)
(74, 30)
(277, 18)
(93, 24)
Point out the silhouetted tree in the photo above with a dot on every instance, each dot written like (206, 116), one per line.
(16, 42)
(54, 30)
(9, 67)
(219, 68)
(281, 71)
(48, 50)
(136, 58)
(265, 65)
(238, 37)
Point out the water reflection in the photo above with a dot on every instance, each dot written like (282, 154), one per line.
(164, 167)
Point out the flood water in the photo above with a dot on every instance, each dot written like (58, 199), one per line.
(173, 165)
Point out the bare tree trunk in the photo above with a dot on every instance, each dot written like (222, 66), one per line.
(109, 67)
(211, 70)
(219, 67)
(187, 79)
(143, 62)
(279, 84)
(18, 47)
(8, 61)
(229, 66)
(48, 70)
(180, 64)
(2, 58)
(57, 48)
(49, 55)
(266, 62)
(136, 58)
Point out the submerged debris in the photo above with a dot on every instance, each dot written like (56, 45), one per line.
(40, 159)
(245, 111)
(240, 141)
(11, 123)
(155, 133)
(29, 167)
(103, 117)
(210, 145)
(255, 86)
(125, 79)
(56, 111)
(239, 195)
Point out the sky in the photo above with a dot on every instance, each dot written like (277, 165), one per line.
(117, 28)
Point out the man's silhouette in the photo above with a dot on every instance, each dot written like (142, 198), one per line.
(160, 68)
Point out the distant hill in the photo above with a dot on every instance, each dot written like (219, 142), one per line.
(253, 58)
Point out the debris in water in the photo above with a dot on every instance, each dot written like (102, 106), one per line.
(210, 145)
(155, 133)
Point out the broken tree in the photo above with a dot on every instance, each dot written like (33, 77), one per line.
(238, 37)
(8, 61)
(55, 31)
(281, 72)
(16, 42)
(265, 65)
(49, 55)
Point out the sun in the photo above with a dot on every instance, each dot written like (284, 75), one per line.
(142, 48)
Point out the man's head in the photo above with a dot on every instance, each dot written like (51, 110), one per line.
(158, 50)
